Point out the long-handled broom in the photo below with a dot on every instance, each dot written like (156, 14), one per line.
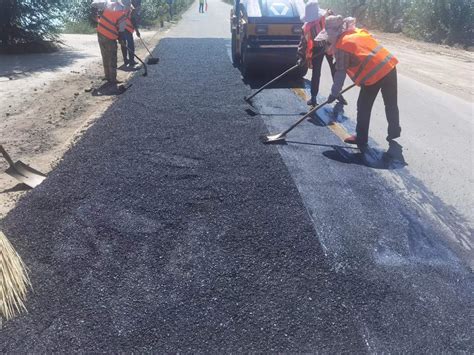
(14, 280)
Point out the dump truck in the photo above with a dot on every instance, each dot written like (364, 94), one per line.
(266, 33)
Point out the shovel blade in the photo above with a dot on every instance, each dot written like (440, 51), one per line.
(249, 101)
(26, 174)
(251, 112)
(275, 138)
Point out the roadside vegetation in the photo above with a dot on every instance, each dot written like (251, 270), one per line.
(29, 25)
(441, 21)
(34, 25)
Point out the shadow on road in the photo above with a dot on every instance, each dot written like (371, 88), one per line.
(261, 76)
(390, 160)
(17, 188)
(18, 66)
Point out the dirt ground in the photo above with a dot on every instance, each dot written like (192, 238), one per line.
(443, 67)
(45, 105)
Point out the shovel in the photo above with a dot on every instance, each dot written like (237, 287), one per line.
(151, 60)
(22, 172)
(280, 137)
(249, 98)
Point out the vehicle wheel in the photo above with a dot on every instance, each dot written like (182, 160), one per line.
(235, 56)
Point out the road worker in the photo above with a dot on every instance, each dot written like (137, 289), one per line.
(201, 5)
(110, 23)
(126, 37)
(309, 53)
(370, 66)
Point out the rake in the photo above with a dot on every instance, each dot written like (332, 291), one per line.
(249, 98)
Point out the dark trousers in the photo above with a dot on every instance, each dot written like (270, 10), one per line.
(388, 86)
(317, 63)
(128, 53)
(201, 8)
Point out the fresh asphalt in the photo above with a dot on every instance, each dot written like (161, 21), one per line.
(170, 228)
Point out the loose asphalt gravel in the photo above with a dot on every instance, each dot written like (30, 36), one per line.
(169, 227)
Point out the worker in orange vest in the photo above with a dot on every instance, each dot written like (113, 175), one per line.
(370, 66)
(109, 25)
(126, 37)
(311, 54)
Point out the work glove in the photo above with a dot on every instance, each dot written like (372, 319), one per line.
(331, 98)
(138, 33)
(301, 62)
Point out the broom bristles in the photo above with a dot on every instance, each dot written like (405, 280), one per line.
(14, 280)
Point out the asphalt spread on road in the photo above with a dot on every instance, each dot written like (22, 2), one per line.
(170, 227)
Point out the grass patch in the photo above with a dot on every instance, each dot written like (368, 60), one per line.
(79, 28)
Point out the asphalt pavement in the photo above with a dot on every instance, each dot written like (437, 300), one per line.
(170, 228)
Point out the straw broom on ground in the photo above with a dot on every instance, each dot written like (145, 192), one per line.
(14, 280)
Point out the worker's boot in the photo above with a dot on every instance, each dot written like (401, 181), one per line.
(338, 109)
(312, 101)
(355, 140)
(342, 100)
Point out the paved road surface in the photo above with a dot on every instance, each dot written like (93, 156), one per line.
(171, 228)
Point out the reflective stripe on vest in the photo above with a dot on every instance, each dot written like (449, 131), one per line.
(375, 61)
(311, 30)
(108, 24)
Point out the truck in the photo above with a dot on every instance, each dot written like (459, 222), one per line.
(266, 33)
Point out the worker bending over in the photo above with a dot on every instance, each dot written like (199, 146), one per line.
(111, 21)
(311, 54)
(370, 66)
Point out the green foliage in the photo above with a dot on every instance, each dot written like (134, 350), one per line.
(83, 27)
(441, 21)
(78, 13)
(78, 16)
(24, 22)
(154, 11)
(29, 21)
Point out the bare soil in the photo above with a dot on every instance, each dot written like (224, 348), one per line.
(447, 68)
(46, 103)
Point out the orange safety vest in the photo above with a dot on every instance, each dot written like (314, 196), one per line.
(310, 31)
(128, 24)
(109, 21)
(375, 62)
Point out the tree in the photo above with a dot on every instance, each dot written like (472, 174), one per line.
(23, 22)
(441, 21)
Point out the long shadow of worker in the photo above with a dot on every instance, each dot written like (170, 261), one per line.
(17, 188)
(392, 159)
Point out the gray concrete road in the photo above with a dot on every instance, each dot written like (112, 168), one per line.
(170, 228)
